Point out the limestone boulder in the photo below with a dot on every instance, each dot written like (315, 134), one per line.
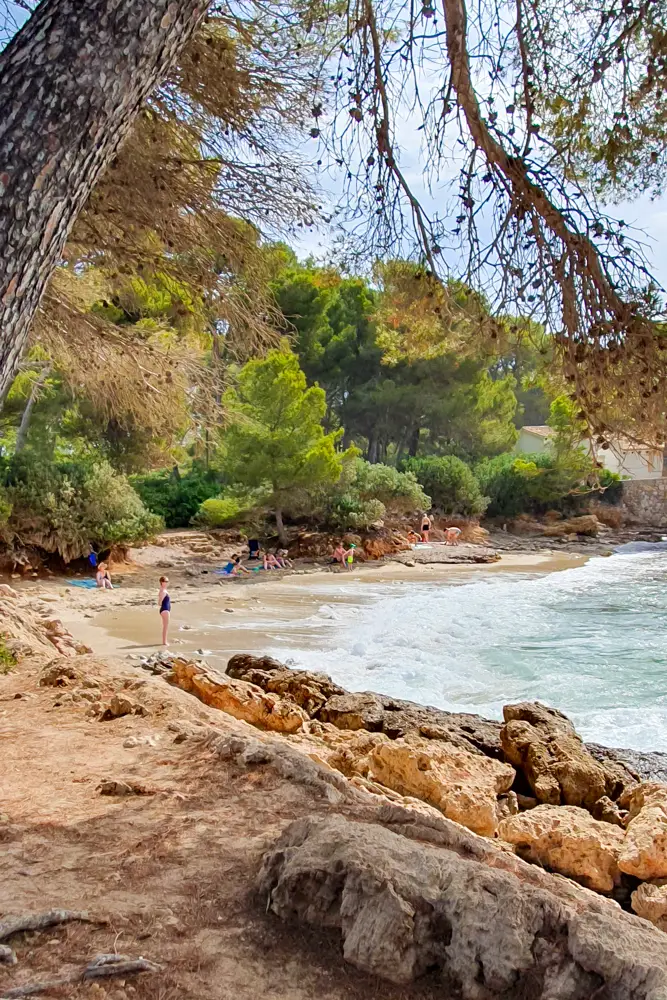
(644, 853)
(543, 744)
(308, 689)
(649, 901)
(567, 840)
(238, 698)
(481, 922)
(354, 711)
(466, 787)
(344, 750)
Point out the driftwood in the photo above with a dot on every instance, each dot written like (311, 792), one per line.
(101, 967)
(38, 921)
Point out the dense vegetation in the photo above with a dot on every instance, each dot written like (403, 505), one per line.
(385, 398)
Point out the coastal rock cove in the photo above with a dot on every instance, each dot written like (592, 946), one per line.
(398, 832)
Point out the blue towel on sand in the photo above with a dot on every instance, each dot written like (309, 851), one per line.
(86, 584)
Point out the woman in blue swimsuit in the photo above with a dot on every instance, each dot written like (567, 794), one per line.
(164, 602)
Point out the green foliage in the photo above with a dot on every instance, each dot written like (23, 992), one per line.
(450, 483)
(7, 659)
(366, 493)
(515, 485)
(177, 497)
(65, 507)
(234, 505)
(276, 438)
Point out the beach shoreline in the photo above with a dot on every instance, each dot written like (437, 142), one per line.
(124, 622)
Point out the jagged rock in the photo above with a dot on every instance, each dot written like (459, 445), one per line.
(650, 902)
(482, 922)
(120, 705)
(639, 765)
(309, 690)
(354, 711)
(114, 786)
(566, 839)
(237, 698)
(367, 710)
(608, 812)
(344, 750)
(644, 852)
(587, 524)
(57, 674)
(464, 786)
(543, 743)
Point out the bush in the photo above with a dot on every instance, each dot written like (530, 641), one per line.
(450, 483)
(531, 482)
(365, 493)
(177, 498)
(65, 507)
(233, 505)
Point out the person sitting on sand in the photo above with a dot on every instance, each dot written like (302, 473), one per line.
(452, 536)
(102, 578)
(234, 566)
(270, 561)
(164, 603)
(426, 525)
(338, 555)
(282, 560)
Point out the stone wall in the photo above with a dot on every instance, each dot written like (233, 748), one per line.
(645, 501)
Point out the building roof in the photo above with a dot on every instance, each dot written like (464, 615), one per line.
(541, 430)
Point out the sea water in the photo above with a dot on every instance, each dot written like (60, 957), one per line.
(592, 641)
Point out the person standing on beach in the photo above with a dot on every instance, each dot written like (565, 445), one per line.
(349, 556)
(164, 602)
(426, 526)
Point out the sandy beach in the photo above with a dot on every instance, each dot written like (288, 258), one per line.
(223, 616)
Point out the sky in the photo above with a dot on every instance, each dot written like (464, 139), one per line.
(647, 216)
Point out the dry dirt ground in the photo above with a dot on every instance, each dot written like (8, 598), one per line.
(170, 874)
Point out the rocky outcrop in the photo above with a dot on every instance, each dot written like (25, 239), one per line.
(354, 711)
(238, 698)
(367, 710)
(642, 765)
(644, 852)
(567, 840)
(543, 743)
(467, 788)
(586, 524)
(309, 690)
(650, 902)
(484, 924)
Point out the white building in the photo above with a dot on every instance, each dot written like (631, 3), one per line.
(629, 459)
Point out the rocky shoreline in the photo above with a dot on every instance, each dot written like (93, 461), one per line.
(485, 860)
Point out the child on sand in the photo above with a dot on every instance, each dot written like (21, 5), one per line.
(282, 560)
(164, 603)
(102, 577)
(349, 556)
(452, 536)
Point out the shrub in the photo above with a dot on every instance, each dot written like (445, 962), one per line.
(530, 482)
(65, 507)
(365, 493)
(450, 483)
(175, 497)
(233, 505)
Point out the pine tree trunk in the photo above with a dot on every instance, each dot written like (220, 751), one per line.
(280, 525)
(71, 84)
(24, 427)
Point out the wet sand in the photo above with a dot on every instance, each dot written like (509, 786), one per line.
(230, 616)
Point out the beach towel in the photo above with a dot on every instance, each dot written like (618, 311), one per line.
(85, 584)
